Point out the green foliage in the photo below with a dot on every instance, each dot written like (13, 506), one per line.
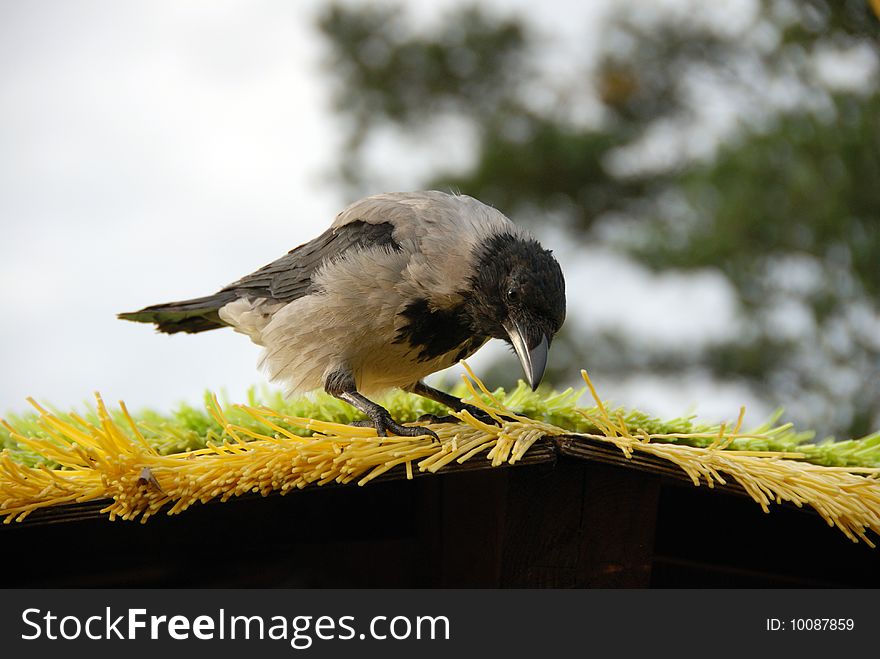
(386, 73)
(803, 186)
(547, 165)
(468, 63)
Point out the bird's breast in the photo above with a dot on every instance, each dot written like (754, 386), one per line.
(432, 333)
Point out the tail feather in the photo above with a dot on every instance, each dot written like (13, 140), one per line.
(191, 316)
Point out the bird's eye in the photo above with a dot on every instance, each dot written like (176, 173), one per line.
(512, 294)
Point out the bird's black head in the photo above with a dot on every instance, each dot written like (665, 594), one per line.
(518, 294)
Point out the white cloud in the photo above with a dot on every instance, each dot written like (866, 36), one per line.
(152, 151)
(666, 310)
(849, 69)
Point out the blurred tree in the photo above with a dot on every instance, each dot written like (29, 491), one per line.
(772, 176)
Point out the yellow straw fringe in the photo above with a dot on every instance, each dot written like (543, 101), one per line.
(106, 461)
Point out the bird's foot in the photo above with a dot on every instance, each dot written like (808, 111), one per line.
(483, 416)
(384, 424)
(476, 412)
(454, 403)
(380, 418)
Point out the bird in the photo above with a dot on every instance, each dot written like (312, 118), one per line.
(401, 285)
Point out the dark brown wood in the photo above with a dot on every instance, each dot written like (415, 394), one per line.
(542, 528)
(618, 521)
(581, 526)
(471, 529)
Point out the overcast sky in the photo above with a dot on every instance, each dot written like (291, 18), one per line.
(154, 151)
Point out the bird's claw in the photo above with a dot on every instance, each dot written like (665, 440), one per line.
(384, 424)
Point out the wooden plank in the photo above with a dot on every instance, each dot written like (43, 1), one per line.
(584, 525)
(542, 527)
(470, 523)
(618, 526)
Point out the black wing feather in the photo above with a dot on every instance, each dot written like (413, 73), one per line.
(284, 280)
(290, 277)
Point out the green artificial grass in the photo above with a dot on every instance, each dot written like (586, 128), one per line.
(188, 428)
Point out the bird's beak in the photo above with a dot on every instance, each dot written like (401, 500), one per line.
(533, 360)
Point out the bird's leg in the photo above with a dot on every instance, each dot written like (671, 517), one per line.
(341, 384)
(449, 401)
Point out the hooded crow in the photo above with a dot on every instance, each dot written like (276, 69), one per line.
(401, 285)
